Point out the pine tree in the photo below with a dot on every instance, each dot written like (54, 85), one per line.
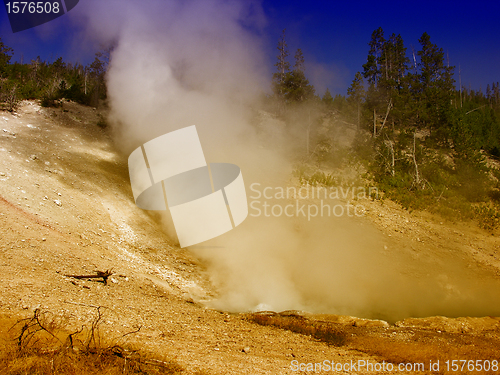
(299, 65)
(436, 80)
(356, 93)
(5, 56)
(327, 99)
(393, 82)
(496, 93)
(371, 70)
(394, 64)
(97, 71)
(282, 67)
(488, 93)
(296, 85)
(386, 72)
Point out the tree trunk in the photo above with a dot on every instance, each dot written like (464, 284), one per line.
(414, 60)
(417, 176)
(393, 161)
(358, 116)
(308, 131)
(389, 106)
(460, 84)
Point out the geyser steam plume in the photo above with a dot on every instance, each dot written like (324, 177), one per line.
(179, 63)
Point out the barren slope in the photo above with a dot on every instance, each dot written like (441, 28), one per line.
(66, 208)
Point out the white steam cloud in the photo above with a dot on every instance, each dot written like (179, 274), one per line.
(182, 63)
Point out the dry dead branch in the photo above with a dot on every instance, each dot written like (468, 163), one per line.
(104, 275)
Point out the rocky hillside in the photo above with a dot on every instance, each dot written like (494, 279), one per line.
(66, 210)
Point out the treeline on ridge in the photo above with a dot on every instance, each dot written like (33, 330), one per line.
(50, 82)
(426, 143)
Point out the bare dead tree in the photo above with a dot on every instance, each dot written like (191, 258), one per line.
(393, 159)
(414, 60)
(8, 95)
(30, 328)
(389, 106)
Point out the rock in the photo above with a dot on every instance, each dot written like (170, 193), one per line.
(353, 321)
(452, 325)
(58, 202)
(370, 323)
(293, 313)
(246, 350)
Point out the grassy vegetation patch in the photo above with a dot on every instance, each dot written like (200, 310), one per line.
(394, 344)
(320, 331)
(39, 345)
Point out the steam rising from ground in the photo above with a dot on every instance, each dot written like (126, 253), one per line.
(341, 266)
(180, 63)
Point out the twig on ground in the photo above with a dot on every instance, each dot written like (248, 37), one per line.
(99, 275)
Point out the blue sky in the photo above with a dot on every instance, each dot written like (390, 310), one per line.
(336, 34)
(333, 35)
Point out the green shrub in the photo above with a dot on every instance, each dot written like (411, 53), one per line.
(49, 102)
(102, 123)
(488, 216)
(329, 333)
